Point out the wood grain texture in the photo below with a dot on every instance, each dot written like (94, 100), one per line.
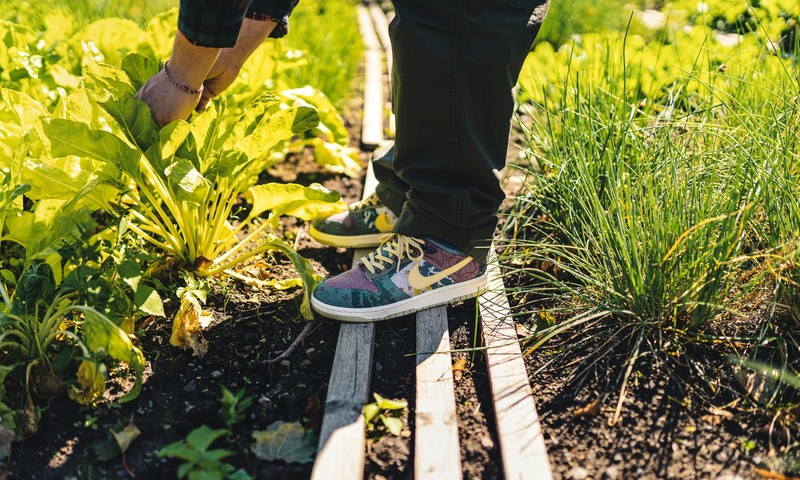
(437, 455)
(374, 99)
(342, 444)
(520, 433)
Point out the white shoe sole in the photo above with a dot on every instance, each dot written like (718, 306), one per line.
(345, 241)
(432, 298)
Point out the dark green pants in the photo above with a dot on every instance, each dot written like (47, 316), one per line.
(455, 64)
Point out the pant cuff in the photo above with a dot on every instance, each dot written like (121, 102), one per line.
(474, 242)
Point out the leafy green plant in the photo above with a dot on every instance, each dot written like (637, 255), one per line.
(386, 410)
(234, 406)
(640, 220)
(189, 176)
(284, 441)
(200, 462)
(42, 331)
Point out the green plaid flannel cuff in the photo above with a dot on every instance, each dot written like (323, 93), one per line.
(276, 10)
(211, 24)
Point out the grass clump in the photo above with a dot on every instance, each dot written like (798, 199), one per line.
(660, 196)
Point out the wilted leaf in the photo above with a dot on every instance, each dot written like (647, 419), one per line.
(118, 441)
(288, 442)
(589, 410)
(389, 404)
(773, 475)
(459, 366)
(102, 335)
(393, 424)
(186, 326)
(126, 436)
(91, 383)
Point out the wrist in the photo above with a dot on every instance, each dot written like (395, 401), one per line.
(189, 64)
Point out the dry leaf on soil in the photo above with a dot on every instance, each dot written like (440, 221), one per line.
(188, 324)
(459, 366)
(773, 475)
(589, 410)
(285, 441)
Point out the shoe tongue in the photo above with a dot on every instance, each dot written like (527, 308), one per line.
(443, 246)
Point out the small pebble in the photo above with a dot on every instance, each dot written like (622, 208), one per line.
(730, 476)
(611, 473)
(264, 401)
(216, 374)
(285, 363)
(190, 387)
(378, 366)
(618, 457)
(487, 442)
(305, 363)
(577, 473)
(310, 351)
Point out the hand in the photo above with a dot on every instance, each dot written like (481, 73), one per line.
(166, 101)
(227, 66)
(221, 76)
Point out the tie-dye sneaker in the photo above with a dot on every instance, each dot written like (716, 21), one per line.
(404, 275)
(363, 225)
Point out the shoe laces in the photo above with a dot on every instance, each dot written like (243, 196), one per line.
(394, 247)
(371, 201)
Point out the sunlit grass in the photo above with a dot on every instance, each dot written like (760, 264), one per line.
(661, 192)
(33, 13)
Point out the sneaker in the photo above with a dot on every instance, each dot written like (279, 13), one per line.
(404, 275)
(363, 225)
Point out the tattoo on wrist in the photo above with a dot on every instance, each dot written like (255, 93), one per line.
(179, 86)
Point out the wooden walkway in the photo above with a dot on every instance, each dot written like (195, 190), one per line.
(437, 456)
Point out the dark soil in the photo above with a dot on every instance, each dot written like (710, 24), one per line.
(684, 414)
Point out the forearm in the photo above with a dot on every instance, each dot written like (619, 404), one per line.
(189, 64)
(252, 34)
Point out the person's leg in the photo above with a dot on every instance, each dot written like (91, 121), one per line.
(456, 62)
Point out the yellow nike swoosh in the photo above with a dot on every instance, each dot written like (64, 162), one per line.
(419, 282)
(383, 224)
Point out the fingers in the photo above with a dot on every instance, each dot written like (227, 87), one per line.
(166, 102)
(207, 96)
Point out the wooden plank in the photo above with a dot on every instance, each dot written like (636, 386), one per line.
(519, 430)
(372, 111)
(342, 443)
(381, 23)
(437, 455)
(382, 30)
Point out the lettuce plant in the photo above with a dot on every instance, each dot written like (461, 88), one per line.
(189, 177)
(43, 331)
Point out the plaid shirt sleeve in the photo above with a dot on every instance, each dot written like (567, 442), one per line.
(276, 10)
(216, 23)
